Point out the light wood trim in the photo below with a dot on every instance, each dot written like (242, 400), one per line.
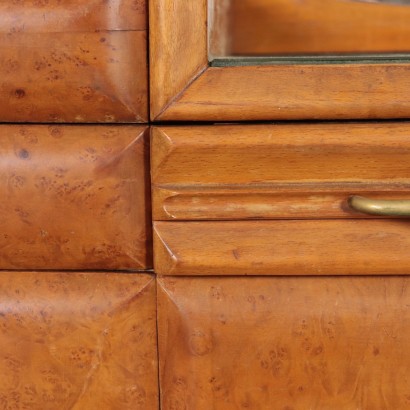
(244, 154)
(185, 88)
(323, 201)
(276, 171)
(295, 92)
(178, 48)
(324, 247)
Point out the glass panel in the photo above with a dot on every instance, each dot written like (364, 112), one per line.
(308, 31)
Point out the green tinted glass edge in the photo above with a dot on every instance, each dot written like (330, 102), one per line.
(314, 60)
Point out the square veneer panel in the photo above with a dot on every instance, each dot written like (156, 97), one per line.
(73, 61)
(77, 341)
(74, 197)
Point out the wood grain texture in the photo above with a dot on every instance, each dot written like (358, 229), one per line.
(276, 171)
(283, 201)
(77, 341)
(284, 343)
(263, 27)
(178, 48)
(72, 15)
(74, 197)
(295, 92)
(185, 88)
(307, 247)
(73, 62)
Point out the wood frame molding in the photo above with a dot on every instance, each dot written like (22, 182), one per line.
(287, 247)
(178, 50)
(184, 87)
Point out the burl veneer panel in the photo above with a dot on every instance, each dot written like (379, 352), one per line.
(73, 61)
(74, 197)
(77, 341)
(284, 343)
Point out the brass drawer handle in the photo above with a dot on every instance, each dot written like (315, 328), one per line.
(400, 2)
(380, 207)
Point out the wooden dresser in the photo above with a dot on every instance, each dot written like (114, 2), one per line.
(204, 204)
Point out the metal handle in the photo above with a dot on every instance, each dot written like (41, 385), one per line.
(399, 2)
(380, 207)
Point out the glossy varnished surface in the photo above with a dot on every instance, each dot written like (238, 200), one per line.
(74, 197)
(295, 92)
(178, 34)
(284, 343)
(77, 341)
(276, 171)
(185, 88)
(73, 62)
(306, 247)
(72, 15)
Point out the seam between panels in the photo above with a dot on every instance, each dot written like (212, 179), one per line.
(157, 342)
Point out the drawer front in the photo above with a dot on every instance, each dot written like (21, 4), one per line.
(62, 341)
(276, 171)
(274, 199)
(74, 197)
(315, 247)
(81, 61)
(284, 343)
